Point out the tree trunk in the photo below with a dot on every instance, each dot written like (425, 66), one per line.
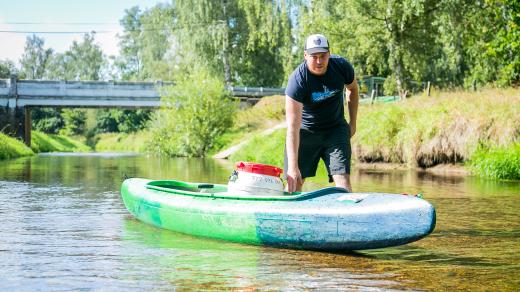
(225, 44)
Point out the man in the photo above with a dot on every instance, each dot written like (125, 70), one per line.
(316, 125)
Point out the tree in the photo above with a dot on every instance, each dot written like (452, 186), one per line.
(408, 31)
(239, 40)
(83, 61)
(130, 62)
(198, 109)
(495, 50)
(7, 68)
(35, 58)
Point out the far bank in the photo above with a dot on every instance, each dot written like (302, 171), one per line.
(457, 132)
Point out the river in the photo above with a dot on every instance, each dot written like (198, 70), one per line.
(64, 227)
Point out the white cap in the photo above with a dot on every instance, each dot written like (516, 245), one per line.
(316, 43)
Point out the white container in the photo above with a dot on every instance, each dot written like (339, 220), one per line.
(251, 179)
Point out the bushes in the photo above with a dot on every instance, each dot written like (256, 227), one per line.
(197, 111)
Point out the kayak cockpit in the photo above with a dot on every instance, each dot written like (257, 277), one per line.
(221, 191)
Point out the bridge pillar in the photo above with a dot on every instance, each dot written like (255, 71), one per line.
(15, 120)
(16, 126)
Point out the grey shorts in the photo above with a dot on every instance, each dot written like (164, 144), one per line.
(332, 146)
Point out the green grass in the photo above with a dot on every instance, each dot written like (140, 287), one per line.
(497, 162)
(267, 149)
(268, 112)
(41, 142)
(12, 148)
(134, 142)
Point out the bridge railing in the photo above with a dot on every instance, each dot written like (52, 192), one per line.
(21, 93)
(255, 91)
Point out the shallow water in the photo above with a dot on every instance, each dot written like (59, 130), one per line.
(64, 227)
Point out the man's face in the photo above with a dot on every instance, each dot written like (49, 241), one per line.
(317, 62)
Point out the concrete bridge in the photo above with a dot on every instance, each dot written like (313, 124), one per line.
(17, 97)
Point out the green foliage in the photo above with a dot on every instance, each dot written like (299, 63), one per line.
(12, 148)
(41, 142)
(7, 68)
(497, 162)
(47, 120)
(74, 122)
(35, 58)
(198, 110)
(83, 61)
(241, 41)
(118, 120)
(145, 44)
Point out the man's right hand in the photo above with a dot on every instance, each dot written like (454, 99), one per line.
(294, 181)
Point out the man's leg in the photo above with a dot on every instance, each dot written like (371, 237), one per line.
(343, 181)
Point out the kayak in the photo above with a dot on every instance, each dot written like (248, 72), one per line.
(325, 219)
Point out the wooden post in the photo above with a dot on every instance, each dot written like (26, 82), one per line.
(372, 96)
(27, 126)
(428, 88)
(474, 85)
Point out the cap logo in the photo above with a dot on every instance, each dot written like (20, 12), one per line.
(317, 41)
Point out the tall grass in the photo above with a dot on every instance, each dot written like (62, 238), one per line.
(446, 128)
(497, 162)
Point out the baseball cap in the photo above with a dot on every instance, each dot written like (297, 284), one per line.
(316, 43)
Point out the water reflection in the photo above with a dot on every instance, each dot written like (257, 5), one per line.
(211, 264)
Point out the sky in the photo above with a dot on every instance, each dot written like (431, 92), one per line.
(42, 16)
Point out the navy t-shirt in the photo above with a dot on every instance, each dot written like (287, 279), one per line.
(321, 96)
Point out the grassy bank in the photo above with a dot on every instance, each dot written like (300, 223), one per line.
(41, 142)
(11, 147)
(446, 128)
(134, 142)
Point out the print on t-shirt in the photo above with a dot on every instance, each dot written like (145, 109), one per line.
(319, 96)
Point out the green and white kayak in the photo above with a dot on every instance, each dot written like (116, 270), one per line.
(326, 219)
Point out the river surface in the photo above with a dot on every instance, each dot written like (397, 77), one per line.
(64, 227)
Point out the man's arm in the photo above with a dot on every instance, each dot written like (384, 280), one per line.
(353, 101)
(293, 114)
